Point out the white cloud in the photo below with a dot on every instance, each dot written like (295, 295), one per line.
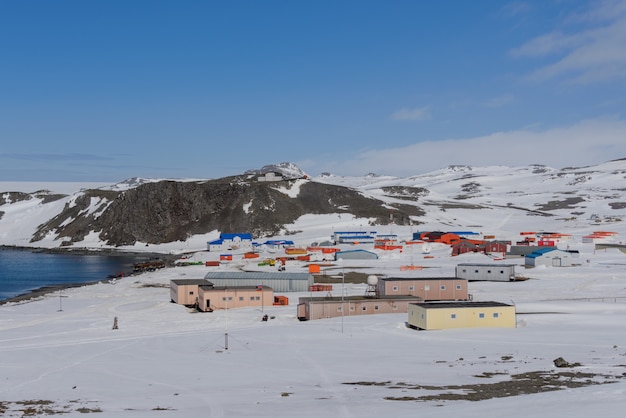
(421, 113)
(595, 53)
(585, 143)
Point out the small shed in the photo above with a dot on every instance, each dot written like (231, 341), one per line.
(467, 246)
(335, 306)
(492, 272)
(211, 297)
(550, 257)
(427, 288)
(279, 281)
(185, 291)
(446, 315)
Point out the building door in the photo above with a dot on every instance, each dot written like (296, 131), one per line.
(208, 305)
(556, 262)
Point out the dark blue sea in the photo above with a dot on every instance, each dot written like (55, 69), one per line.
(22, 270)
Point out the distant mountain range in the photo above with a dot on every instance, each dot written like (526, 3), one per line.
(159, 211)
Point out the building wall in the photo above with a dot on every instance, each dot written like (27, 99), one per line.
(184, 294)
(210, 298)
(461, 317)
(554, 258)
(310, 310)
(495, 272)
(279, 285)
(427, 289)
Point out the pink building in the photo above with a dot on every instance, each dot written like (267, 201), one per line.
(438, 288)
(211, 298)
(334, 306)
(185, 291)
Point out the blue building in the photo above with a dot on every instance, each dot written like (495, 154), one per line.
(230, 242)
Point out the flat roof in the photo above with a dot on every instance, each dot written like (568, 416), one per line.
(460, 304)
(485, 265)
(255, 275)
(396, 279)
(323, 299)
(189, 281)
(225, 288)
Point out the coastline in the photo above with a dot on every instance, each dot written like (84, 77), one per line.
(45, 290)
(91, 251)
(48, 289)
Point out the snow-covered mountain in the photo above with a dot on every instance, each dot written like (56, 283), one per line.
(497, 200)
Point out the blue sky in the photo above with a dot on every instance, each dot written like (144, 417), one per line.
(107, 90)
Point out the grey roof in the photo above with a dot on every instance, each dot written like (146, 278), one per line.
(211, 287)
(485, 265)
(189, 282)
(404, 279)
(386, 298)
(256, 275)
(457, 304)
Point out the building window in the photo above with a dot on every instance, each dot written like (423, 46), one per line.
(394, 289)
(501, 271)
(411, 288)
(230, 298)
(241, 298)
(453, 316)
(394, 307)
(427, 287)
(459, 287)
(251, 297)
(481, 315)
(443, 287)
(191, 293)
(375, 307)
(258, 298)
(475, 271)
(351, 308)
(489, 271)
(364, 308)
(223, 298)
(496, 314)
(339, 309)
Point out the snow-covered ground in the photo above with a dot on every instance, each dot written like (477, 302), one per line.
(59, 353)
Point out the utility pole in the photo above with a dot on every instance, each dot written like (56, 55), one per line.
(343, 285)
(61, 300)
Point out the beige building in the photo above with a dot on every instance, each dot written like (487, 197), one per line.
(444, 315)
(211, 298)
(334, 306)
(438, 288)
(185, 291)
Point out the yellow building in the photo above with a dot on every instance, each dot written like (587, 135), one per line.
(444, 315)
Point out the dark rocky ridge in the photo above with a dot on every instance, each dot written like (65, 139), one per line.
(168, 211)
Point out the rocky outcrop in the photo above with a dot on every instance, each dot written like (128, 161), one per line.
(168, 211)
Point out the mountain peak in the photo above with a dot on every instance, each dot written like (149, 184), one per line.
(286, 169)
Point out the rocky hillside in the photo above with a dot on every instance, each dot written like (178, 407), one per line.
(156, 212)
(168, 211)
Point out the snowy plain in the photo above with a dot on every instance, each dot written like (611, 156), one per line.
(59, 353)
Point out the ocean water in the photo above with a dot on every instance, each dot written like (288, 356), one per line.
(22, 271)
